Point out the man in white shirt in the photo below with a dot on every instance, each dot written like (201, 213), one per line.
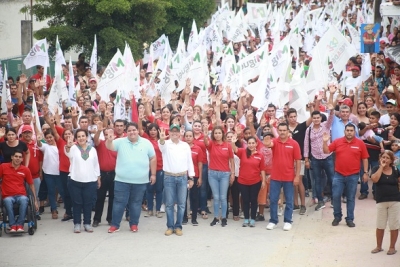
(391, 107)
(354, 80)
(177, 166)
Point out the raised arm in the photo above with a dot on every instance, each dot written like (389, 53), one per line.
(96, 137)
(110, 139)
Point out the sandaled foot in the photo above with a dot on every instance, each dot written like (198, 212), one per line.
(376, 250)
(236, 218)
(391, 251)
(204, 215)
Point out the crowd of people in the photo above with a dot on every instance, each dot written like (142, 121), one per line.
(175, 157)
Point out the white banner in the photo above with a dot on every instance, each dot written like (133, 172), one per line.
(132, 80)
(119, 109)
(6, 94)
(71, 85)
(93, 58)
(193, 38)
(113, 77)
(38, 55)
(157, 48)
(256, 12)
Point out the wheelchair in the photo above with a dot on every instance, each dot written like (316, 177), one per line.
(30, 217)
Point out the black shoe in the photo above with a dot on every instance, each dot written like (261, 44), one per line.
(224, 223)
(67, 218)
(260, 218)
(41, 210)
(363, 196)
(336, 222)
(38, 217)
(214, 222)
(350, 224)
(296, 207)
(307, 193)
(195, 223)
(185, 221)
(95, 223)
(208, 211)
(109, 222)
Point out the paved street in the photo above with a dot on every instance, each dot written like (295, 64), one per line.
(311, 242)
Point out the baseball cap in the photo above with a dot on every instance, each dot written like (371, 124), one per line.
(174, 126)
(89, 109)
(268, 134)
(26, 128)
(347, 102)
(92, 79)
(355, 68)
(391, 101)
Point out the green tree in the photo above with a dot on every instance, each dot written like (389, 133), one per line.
(114, 22)
(181, 14)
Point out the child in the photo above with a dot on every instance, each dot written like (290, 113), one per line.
(93, 128)
(396, 151)
(371, 133)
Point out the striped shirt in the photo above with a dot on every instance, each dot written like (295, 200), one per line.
(316, 137)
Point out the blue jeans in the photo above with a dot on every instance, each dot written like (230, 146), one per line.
(349, 183)
(203, 189)
(219, 182)
(52, 182)
(319, 165)
(131, 194)
(158, 189)
(175, 191)
(274, 192)
(82, 199)
(22, 201)
(364, 186)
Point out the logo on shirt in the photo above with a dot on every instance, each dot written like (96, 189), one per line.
(21, 173)
(224, 148)
(289, 146)
(356, 147)
(257, 158)
(194, 152)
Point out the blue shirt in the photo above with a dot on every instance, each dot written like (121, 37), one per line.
(133, 160)
(337, 130)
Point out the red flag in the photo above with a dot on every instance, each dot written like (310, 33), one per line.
(135, 114)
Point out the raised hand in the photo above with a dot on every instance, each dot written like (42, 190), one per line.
(2, 132)
(228, 90)
(99, 126)
(393, 80)
(174, 96)
(163, 136)
(205, 129)
(70, 141)
(326, 137)
(22, 78)
(40, 100)
(234, 138)
(74, 112)
(332, 88)
(110, 135)
(238, 130)
(42, 82)
(9, 105)
(188, 82)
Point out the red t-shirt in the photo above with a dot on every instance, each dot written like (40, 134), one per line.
(14, 180)
(250, 168)
(64, 160)
(36, 156)
(107, 158)
(200, 142)
(267, 153)
(219, 156)
(160, 124)
(284, 156)
(37, 76)
(197, 156)
(348, 155)
(154, 142)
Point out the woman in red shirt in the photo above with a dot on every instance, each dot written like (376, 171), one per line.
(197, 157)
(221, 170)
(251, 177)
(152, 134)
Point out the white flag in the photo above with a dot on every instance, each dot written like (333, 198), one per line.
(6, 94)
(193, 38)
(71, 85)
(157, 48)
(35, 112)
(1, 78)
(113, 77)
(119, 109)
(93, 58)
(38, 55)
(132, 83)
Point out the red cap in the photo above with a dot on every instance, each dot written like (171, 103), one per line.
(347, 102)
(92, 79)
(355, 68)
(322, 108)
(26, 128)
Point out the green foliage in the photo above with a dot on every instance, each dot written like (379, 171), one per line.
(116, 22)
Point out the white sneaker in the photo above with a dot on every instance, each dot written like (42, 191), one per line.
(271, 226)
(280, 211)
(287, 226)
(162, 209)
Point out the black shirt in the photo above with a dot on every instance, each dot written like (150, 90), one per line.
(7, 151)
(387, 188)
(298, 134)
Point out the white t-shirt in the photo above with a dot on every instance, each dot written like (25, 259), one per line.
(51, 160)
(384, 120)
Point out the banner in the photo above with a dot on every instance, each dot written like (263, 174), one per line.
(119, 108)
(132, 80)
(370, 38)
(157, 48)
(58, 94)
(113, 77)
(256, 12)
(93, 58)
(71, 86)
(193, 38)
(1, 78)
(38, 55)
(35, 112)
(6, 94)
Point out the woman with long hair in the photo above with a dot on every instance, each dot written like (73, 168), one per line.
(221, 171)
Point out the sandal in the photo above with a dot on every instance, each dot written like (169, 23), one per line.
(376, 250)
(204, 215)
(391, 252)
(190, 215)
(236, 218)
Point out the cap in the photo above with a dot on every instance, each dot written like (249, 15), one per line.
(391, 101)
(29, 99)
(347, 102)
(174, 126)
(390, 89)
(26, 128)
(355, 68)
(89, 109)
(268, 134)
(92, 79)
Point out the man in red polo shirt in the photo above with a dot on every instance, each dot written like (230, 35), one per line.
(349, 152)
(286, 175)
(13, 176)
(39, 76)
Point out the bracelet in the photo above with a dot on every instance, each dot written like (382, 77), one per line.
(190, 179)
(152, 175)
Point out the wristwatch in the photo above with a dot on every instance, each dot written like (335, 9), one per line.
(365, 172)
